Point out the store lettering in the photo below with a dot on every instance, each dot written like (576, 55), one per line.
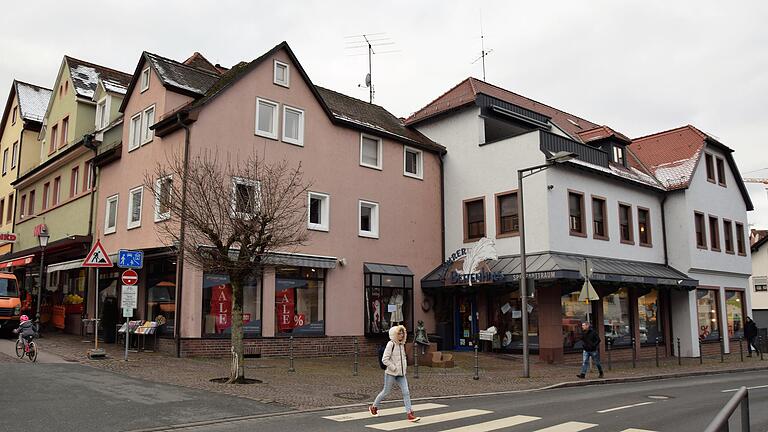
(460, 253)
(475, 278)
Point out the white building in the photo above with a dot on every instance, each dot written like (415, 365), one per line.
(759, 282)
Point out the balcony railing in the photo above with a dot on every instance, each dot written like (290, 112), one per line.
(554, 143)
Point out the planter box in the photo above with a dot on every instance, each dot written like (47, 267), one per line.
(74, 309)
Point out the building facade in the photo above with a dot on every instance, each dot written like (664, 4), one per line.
(759, 282)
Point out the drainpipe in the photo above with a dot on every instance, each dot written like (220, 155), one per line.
(182, 228)
(664, 230)
(442, 209)
(88, 143)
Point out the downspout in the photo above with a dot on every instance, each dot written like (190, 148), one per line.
(182, 228)
(442, 209)
(88, 143)
(664, 230)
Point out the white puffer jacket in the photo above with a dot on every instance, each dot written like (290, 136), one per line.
(394, 354)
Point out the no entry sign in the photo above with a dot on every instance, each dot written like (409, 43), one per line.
(130, 277)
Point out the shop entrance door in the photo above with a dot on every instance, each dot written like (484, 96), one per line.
(466, 322)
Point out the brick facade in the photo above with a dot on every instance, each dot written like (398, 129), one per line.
(276, 347)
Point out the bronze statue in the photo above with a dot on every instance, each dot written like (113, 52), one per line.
(421, 334)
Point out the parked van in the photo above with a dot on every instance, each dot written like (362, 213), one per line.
(10, 303)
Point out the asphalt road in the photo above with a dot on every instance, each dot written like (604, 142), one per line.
(674, 405)
(55, 395)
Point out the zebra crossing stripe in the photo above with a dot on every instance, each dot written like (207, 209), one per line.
(568, 427)
(454, 415)
(495, 424)
(382, 412)
(636, 430)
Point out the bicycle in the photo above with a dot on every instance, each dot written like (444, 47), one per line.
(28, 348)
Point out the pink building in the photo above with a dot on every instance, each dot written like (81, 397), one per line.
(374, 206)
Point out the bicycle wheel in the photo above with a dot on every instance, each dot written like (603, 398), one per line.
(32, 351)
(19, 348)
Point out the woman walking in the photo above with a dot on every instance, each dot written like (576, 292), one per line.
(395, 361)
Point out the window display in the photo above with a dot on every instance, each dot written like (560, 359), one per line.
(508, 319)
(161, 293)
(616, 320)
(389, 301)
(299, 301)
(574, 313)
(650, 318)
(217, 306)
(734, 301)
(706, 304)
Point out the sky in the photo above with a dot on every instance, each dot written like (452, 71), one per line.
(637, 66)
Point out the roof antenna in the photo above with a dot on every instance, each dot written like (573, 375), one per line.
(369, 41)
(483, 52)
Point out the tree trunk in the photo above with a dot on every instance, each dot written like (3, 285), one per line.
(237, 372)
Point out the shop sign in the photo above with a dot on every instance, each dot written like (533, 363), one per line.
(285, 302)
(8, 237)
(471, 265)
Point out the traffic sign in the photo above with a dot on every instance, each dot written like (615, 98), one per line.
(129, 297)
(130, 277)
(130, 259)
(97, 257)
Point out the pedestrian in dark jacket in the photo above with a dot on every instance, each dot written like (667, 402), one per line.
(590, 340)
(750, 333)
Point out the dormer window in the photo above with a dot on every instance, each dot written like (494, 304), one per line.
(145, 79)
(282, 76)
(618, 155)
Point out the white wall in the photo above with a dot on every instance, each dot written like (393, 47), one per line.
(759, 268)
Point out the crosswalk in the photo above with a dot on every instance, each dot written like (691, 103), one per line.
(440, 416)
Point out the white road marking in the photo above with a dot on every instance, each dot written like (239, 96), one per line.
(455, 415)
(495, 424)
(748, 388)
(636, 430)
(624, 407)
(568, 427)
(382, 412)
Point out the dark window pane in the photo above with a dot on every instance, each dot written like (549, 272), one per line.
(575, 213)
(643, 227)
(598, 216)
(314, 210)
(509, 221)
(475, 219)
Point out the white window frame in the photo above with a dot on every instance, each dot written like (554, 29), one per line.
(300, 140)
(103, 107)
(275, 117)
(257, 197)
(145, 82)
(159, 217)
(14, 154)
(140, 190)
(419, 174)
(116, 199)
(380, 164)
(5, 161)
(374, 233)
(132, 133)
(145, 130)
(325, 211)
(287, 81)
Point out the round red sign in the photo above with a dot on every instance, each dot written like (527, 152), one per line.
(130, 277)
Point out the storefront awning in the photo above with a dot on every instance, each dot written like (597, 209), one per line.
(73, 264)
(297, 260)
(387, 269)
(17, 262)
(554, 265)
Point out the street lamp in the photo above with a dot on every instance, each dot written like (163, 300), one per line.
(42, 238)
(559, 157)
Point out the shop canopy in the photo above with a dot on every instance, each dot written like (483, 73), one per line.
(387, 269)
(552, 266)
(17, 262)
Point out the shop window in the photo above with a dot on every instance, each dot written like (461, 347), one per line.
(706, 305)
(599, 219)
(701, 230)
(474, 219)
(710, 163)
(616, 318)
(217, 306)
(650, 318)
(734, 313)
(299, 301)
(576, 214)
(574, 313)
(625, 224)
(714, 234)
(161, 294)
(507, 316)
(507, 218)
(388, 301)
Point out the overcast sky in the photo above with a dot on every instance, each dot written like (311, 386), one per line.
(639, 67)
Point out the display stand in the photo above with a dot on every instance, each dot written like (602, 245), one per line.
(140, 330)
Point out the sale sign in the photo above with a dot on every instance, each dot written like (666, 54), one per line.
(285, 302)
(221, 307)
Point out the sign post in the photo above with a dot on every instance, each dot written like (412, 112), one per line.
(128, 301)
(97, 258)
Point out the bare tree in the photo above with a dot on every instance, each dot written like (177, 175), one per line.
(234, 216)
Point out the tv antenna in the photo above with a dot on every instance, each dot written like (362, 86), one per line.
(371, 41)
(483, 52)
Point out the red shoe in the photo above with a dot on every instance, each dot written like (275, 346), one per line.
(373, 410)
(412, 417)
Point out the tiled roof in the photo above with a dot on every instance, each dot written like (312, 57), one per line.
(33, 101)
(183, 77)
(198, 61)
(602, 132)
(672, 155)
(466, 91)
(114, 87)
(85, 76)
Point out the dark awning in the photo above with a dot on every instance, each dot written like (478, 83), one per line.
(298, 260)
(555, 265)
(387, 269)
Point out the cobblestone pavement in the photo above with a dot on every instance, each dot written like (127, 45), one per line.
(324, 382)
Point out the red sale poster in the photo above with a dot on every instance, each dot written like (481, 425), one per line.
(221, 307)
(284, 307)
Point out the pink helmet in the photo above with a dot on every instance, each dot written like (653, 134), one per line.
(24, 318)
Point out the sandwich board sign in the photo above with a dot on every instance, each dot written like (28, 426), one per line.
(97, 257)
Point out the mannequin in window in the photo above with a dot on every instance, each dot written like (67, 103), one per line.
(396, 315)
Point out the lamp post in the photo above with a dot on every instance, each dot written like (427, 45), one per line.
(42, 238)
(558, 157)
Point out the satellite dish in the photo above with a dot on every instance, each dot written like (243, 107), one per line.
(367, 80)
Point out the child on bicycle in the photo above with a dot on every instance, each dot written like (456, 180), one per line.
(27, 330)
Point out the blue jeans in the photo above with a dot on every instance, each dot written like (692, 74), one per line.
(595, 359)
(402, 382)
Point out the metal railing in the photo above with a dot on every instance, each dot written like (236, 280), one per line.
(720, 422)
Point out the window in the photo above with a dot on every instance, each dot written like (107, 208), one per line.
(135, 196)
(413, 163)
(22, 206)
(9, 212)
(245, 194)
(148, 119)
(599, 218)
(74, 181)
(46, 195)
(145, 79)
(88, 177)
(134, 132)
(701, 230)
(740, 238)
(720, 171)
(710, 163)
(54, 137)
(574, 313)
(734, 313)
(31, 203)
(761, 284)
(2, 207)
(370, 151)
(388, 301)
(217, 305)
(110, 216)
(618, 155)
(293, 126)
(368, 219)
(616, 319)
(649, 313)
(714, 234)
(576, 214)
(728, 235)
(644, 226)
(163, 189)
(319, 208)
(14, 154)
(266, 118)
(102, 113)
(299, 301)
(161, 293)
(706, 306)
(507, 217)
(510, 324)
(282, 76)
(64, 131)
(625, 224)
(13, 116)
(474, 219)
(56, 191)
(5, 161)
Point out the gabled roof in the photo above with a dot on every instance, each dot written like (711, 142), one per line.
(85, 76)
(197, 60)
(466, 92)
(601, 133)
(33, 101)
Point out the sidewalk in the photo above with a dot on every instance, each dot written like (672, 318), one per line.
(324, 382)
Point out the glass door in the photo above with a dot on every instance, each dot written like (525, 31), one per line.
(466, 322)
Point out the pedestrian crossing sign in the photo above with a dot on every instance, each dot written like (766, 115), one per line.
(97, 257)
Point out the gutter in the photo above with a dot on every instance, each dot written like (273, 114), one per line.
(182, 229)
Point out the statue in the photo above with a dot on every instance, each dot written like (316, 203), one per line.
(421, 334)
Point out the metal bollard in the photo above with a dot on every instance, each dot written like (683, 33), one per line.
(741, 348)
(610, 363)
(679, 354)
(762, 347)
(357, 355)
(657, 351)
(290, 355)
(722, 350)
(634, 354)
(477, 365)
(701, 353)
(416, 360)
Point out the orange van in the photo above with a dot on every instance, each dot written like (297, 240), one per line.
(10, 303)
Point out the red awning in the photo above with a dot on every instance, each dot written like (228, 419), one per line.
(17, 262)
